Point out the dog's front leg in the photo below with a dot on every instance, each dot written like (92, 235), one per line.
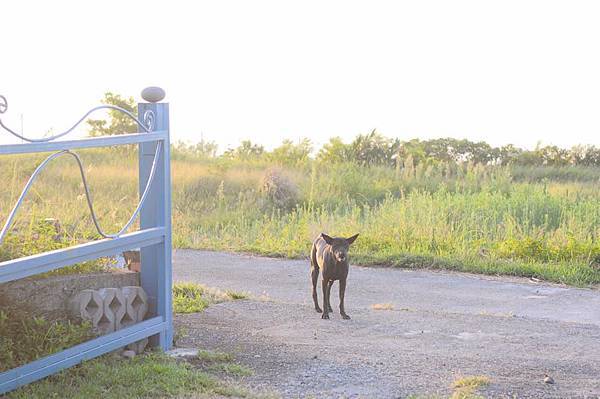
(342, 294)
(324, 285)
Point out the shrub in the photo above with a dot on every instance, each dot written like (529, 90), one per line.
(279, 189)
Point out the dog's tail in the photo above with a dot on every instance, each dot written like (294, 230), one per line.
(313, 257)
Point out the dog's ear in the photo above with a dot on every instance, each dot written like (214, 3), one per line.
(351, 239)
(327, 239)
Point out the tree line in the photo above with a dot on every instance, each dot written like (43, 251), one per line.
(366, 149)
(376, 149)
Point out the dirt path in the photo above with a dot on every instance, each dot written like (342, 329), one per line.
(443, 326)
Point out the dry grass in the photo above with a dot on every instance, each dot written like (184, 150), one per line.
(504, 315)
(475, 219)
(382, 306)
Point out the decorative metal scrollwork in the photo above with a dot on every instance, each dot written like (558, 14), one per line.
(84, 117)
(3, 104)
(149, 119)
(147, 126)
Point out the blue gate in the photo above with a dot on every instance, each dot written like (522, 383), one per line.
(153, 238)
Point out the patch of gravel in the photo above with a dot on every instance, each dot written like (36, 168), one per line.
(512, 332)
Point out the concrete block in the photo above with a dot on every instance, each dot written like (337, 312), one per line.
(51, 297)
(87, 305)
(111, 309)
(106, 324)
(137, 302)
(115, 307)
(137, 307)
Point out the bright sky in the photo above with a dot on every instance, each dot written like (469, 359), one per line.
(501, 71)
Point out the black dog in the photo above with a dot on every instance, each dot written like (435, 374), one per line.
(330, 255)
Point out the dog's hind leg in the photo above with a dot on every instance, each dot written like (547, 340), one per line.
(314, 274)
(330, 309)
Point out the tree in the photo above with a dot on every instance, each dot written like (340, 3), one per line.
(553, 155)
(202, 149)
(374, 149)
(587, 155)
(246, 150)
(290, 153)
(118, 122)
(335, 151)
(413, 151)
(509, 154)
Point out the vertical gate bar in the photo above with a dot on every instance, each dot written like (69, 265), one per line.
(156, 275)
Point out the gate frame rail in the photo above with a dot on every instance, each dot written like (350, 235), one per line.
(154, 240)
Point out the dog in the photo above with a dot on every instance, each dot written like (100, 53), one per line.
(330, 255)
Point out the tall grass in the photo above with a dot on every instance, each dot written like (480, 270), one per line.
(496, 220)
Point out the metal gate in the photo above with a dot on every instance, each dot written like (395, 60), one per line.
(153, 238)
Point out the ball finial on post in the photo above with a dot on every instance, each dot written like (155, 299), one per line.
(153, 94)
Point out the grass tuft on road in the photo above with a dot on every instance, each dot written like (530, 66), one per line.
(221, 363)
(210, 356)
(465, 387)
(231, 368)
(191, 297)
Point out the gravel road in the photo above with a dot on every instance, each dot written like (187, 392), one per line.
(442, 326)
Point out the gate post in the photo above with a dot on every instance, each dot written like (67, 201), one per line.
(156, 268)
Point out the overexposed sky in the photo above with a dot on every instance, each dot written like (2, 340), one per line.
(500, 71)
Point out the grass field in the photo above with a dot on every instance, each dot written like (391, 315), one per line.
(537, 222)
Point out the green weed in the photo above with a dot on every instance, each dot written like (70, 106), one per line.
(191, 297)
(24, 338)
(188, 298)
(221, 363)
(210, 356)
(231, 368)
(465, 387)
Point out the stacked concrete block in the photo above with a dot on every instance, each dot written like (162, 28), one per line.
(111, 309)
(114, 308)
(137, 306)
(136, 303)
(88, 306)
